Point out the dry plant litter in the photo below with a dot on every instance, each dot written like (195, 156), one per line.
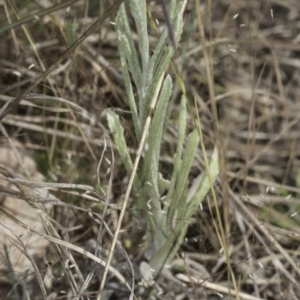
(200, 139)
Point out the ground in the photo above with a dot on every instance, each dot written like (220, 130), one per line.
(237, 65)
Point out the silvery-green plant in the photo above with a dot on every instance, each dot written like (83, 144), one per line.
(167, 220)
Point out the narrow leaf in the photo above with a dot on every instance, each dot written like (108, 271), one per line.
(182, 178)
(118, 136)
(204, 185)
(180, 141)
(155, 134)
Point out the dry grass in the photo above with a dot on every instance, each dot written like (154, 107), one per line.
(238, 61)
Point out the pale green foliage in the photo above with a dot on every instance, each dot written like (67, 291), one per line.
(118, 135)
(167, 220)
